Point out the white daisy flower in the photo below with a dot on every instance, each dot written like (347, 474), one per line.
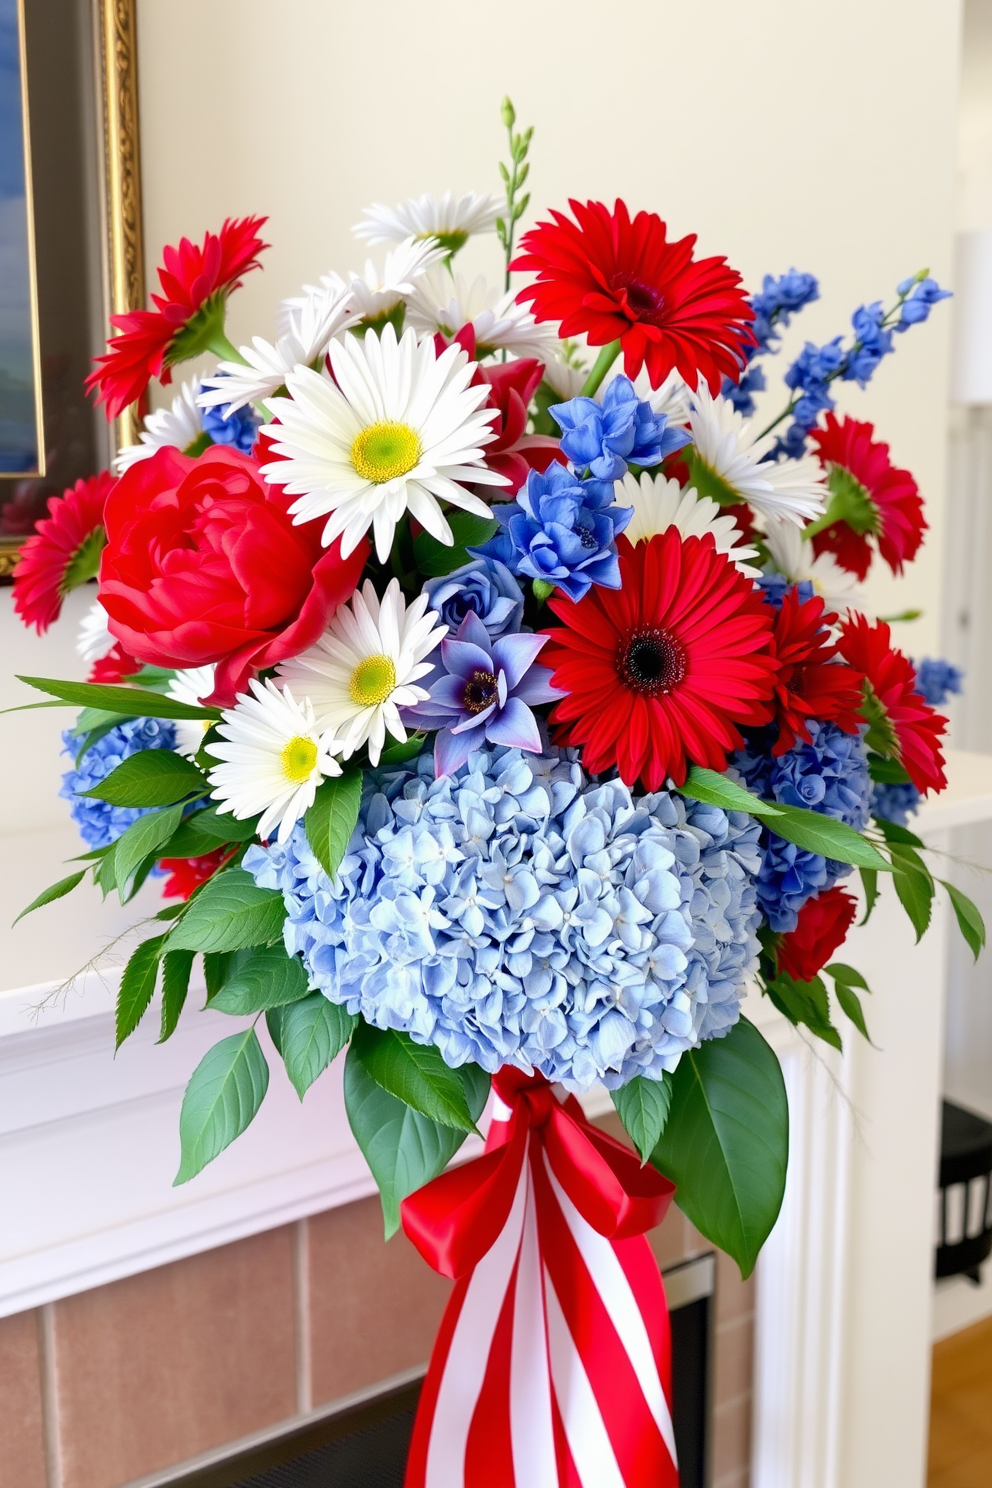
(94, 640)
(177, 427)
(566, 380)
(659, 504)
(793, 556)
(191, 685)
(308, 324)
(376, 294)
(365, 666)
(671, 399)
(273, 759)
(735, 461)
(444, 302)
(396, 430)
(451, 219)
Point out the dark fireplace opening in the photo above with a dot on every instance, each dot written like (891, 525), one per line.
(365, 1446)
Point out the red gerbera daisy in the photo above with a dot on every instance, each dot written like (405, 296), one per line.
(822, 925)
(187, 874)
(901, 723)
(810, 683)
(612, 279)
(870, 498)
(63, 551)
(195, 282)
(659, 672)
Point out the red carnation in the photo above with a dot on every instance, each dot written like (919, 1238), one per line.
(187, 874)
(875, 500)
(901, 722)
(822, 925)
(195, 281)
(203, 564)
(62, 552)
(659, 672)
(809, 682)
(612, 279)
(114, 667)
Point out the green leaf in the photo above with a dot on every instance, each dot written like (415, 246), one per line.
(914, 886)
(217, 967)
(869, 880)
(398, 754)
(223, 1095)
(726, 1141)
(220, 827)
(887, 771)
(85, 561)
(152, 777)
(434, 558)
(142, 839)
(309, 1035)
(805, 1002)
(267, 978)
(847, 975)
(850, 1004)
(89, 719)
(87, 740)
(403, 1148)
(126, 702)
(104, 873)
(176, 968)
(833, 839)
(717, 790)
(229, 913)
(331, 819)
(413, 1073)
(643, 1107)
(969, 919)
(54, 891)
(137, 986)
(893, 832)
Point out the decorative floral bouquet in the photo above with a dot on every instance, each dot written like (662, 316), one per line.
(502, 717)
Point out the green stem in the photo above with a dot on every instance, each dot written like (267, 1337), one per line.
(223, 348)
(602, 365)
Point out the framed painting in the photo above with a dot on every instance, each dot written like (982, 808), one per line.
(70, 240)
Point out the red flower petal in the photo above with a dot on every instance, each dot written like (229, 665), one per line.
(916, 727)
(822, 926)
(43, 561)
(810, 682)
(892, 492)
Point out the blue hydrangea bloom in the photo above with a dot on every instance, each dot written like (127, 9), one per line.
(522, 914)
(100, 823)
(561, 529)
(916, 307)
(484, 587)
(604, 438)
(238, 429)
(895, 803)
(936, 680)
(776, 586)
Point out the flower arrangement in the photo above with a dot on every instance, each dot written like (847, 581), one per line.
(496, 701)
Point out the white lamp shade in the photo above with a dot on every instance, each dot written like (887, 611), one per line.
(971, 356)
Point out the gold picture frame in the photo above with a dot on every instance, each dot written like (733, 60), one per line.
(107, 29)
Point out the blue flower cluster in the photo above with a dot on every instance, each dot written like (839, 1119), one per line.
(829, 775)
(520, 914)
(936, 680)
(773, 308)
(100, 823)
(919, 294)
(238, 429)
(894, 803)
(604, 438)
(485, 588)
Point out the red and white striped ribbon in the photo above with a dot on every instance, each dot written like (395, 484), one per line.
(552, 1366)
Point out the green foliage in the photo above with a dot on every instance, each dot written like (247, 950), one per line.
(176, 969)
(717, 790)
(805, 1002)
(152, 777)
(643, 1107)
(54, 891)
(224, 1093)
(398, 754)
(846, 978)
(266, 978)
(433, 558)
(887, 771)
(331, 819)
(126, 702)
(144, 838)
(726, 1141)
(414, 1073)
(869, 880)
(308, 1035)
(228, 914)
(137, 986)
(85, 561)
(513, 177)
(219, 827)
(914, 885)
(970, 921)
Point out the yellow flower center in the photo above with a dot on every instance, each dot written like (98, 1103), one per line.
(298, 759)
(384, 451)
(372, 681)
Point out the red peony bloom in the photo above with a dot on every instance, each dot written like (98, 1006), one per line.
(194, 280)
(203, 564)
(902, 722)
(114, 667)
(872, 497)
(63, 551)
(659, 672)
(609, 278)
(187, 874)
(822, 925)
(809, 683)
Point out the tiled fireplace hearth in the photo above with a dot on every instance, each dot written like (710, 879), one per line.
(183, 1364)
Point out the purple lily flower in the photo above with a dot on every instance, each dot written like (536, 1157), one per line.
(486, 693)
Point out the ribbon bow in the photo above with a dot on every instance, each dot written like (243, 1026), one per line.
(552, 1366)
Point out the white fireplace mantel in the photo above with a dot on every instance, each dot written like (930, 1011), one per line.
(89, 1147)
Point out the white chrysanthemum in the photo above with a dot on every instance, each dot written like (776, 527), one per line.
(793, 556)
(177, 427)
(273, 759)
(307, 326)
(94, 640)
(734, 457)
(567, 381)
(444, 302)
(365, 666)
(659, 504)
(191, 685)
(395, 430)
(449, 218)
